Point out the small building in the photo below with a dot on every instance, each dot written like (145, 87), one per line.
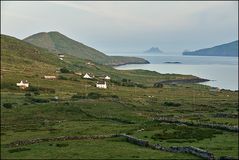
(23, 84)
(78, 73)
(50, 77)
(61, 55)
(107, 78)
(88, 76)
(101, 84)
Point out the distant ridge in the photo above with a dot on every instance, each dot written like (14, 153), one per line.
(59, 43)
(153, 50)
(228, 49)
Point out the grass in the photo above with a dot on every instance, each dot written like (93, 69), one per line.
(118, 109)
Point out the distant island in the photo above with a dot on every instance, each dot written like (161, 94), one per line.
(228, 49)
(153, 50)
(173, 62)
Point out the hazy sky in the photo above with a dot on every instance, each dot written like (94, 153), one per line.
(127, 26)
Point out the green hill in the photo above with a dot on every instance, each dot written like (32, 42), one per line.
(59, 43)
(70, 106)
(229, 49)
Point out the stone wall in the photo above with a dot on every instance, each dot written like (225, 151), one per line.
(208, 125)
(61, 138)
(192, 150)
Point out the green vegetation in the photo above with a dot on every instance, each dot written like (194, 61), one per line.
(59, 43)
(73, 106)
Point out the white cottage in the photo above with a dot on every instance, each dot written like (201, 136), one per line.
(61, 56)
(23, 84)
(88, 76)
(50, 77)
(107, 78)
(101, 85)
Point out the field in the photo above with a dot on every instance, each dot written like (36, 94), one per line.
(129, 105)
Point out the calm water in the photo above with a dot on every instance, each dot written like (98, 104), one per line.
(222, 71)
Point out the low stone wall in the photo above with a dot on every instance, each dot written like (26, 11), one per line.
(61, 138)
(192, 150)
(208, 125)
(136, 141)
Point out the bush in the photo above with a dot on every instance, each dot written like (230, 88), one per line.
(8, 105)
(11, 86)
(40, 100)
(78, 96)
(64, 70)
(33, 89)
(62, 77)
(28, 94)
(172, 104)
(62, 145)
(114, 96)
(94, 95)
(158, 85)
(40, 89)
(36, 93)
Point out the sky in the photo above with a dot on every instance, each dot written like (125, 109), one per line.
(126, 26)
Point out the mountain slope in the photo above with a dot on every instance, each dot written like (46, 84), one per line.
(228, 49)
(59, 43)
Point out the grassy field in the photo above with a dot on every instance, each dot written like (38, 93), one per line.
(124, 107)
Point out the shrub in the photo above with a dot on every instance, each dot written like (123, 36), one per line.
(114, 96)
(94, 95)
(40, 100)
(36, 93)
(8, 105)
(28, 94)
(64, 70)
(62, 145)
(172, 104)
(11, 86)
(158, 85)
(18, 150)
(62, 77)
(33, 89)
(78, 96)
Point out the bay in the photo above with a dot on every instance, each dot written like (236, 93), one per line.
(221, 71)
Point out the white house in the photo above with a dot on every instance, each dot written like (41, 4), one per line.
(61, 55)
(88, 76)
(23, 84)
(101, 85)
(107, 78)
(78, 73)
(50, 77)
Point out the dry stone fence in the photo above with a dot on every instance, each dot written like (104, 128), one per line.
(175, 149)
(207, 125)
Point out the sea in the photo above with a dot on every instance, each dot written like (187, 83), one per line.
(221, 71)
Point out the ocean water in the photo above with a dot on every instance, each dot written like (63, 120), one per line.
(221, 71)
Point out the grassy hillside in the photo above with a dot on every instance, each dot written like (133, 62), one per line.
(129, 105)
(228, 49)
(59, 43)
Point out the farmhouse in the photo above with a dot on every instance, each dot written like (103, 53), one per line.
(50, 77)
(23, 84)
(88, 76)
(107, 78)
(61, 56)
(101, 84)
(78, 73)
